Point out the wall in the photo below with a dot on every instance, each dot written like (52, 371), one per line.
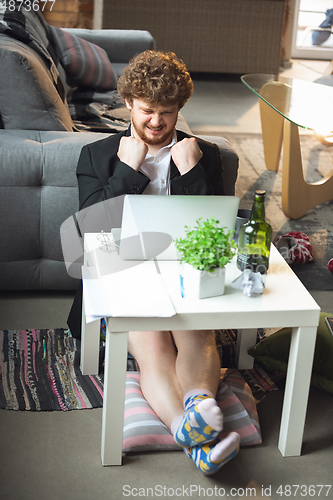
(221, 36)
(69, 13)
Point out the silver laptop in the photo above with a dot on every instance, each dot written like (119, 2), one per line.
(150, 223)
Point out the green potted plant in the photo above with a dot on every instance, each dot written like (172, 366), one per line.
(205, 251)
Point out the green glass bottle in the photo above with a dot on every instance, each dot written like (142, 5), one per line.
(255, 237)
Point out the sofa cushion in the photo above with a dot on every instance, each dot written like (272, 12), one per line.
(27, 24)
(29, 27)
(32, 95)
(29, 98)
(85, 63)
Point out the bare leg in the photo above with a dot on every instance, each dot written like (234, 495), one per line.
(167, 376)
(156, 354)
(179, 365)
(198, 362)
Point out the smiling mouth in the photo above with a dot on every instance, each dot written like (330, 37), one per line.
(155, 130)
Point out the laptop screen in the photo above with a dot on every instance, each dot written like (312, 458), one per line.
(150, 223)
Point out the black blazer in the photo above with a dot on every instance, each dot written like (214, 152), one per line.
(102, 176)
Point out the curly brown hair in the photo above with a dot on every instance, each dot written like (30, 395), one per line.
(156, 78)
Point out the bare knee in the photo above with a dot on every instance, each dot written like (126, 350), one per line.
(197, 338)
(152, 347)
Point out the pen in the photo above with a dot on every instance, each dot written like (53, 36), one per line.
(181, 285)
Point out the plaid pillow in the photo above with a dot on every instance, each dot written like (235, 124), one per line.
(86, 64)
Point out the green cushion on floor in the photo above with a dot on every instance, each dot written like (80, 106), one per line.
(273, 352)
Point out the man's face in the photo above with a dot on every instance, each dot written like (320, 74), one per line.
(154, 125)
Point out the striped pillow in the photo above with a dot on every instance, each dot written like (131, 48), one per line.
(238, 406)
(86, 64)
(144, 431)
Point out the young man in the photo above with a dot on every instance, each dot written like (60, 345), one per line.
(180, 370)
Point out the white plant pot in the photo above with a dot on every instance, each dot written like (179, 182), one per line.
(202, 284)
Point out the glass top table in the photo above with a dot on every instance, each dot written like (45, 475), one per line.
(285, 105)
(306, 104)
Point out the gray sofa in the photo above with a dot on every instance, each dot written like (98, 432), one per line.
(39, 150)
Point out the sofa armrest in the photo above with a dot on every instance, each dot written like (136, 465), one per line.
(38, 192)
(120, 45)
(230, 161)
(230, 158)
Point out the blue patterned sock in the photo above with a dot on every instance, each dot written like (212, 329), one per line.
(210, 457)
(192, 429)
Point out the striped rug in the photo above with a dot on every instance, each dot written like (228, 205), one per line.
(40, 371)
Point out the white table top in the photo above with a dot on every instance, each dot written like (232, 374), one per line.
(285, 301)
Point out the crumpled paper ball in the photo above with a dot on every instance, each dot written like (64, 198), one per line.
(295, 247)
(251, 283)
(330, 265)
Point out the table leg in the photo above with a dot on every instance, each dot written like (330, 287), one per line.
(90, 340)
(272, 134)
(278, 95)
(297, 390)
(299, 196)
(114, 397)
(246, 338)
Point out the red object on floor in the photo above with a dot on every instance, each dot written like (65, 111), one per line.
(330, 265)
(295, 247)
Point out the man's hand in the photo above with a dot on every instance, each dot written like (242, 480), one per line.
(132, 152)
(186, 154)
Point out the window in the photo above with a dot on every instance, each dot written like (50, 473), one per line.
(309, 15)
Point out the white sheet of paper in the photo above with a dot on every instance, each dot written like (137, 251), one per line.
(135, 292)
(95, 301)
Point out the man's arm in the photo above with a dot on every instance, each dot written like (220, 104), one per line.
(102, 176)
(205, 177)
(132, 152)
(186, 154)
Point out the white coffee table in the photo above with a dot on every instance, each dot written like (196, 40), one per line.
(285, 302)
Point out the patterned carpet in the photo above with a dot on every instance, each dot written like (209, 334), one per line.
(317, 223)
(39, 371)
